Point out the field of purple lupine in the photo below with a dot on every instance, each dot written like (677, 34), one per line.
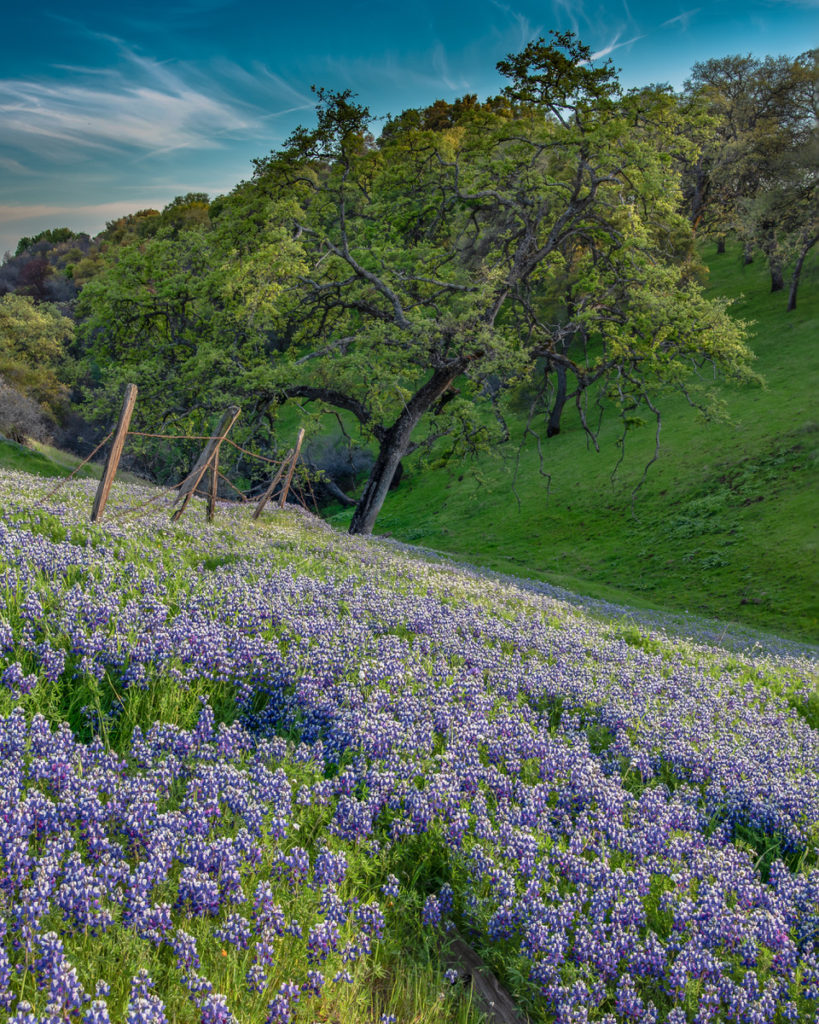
(265, 773)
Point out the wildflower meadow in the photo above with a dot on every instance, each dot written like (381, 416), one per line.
(260, 772)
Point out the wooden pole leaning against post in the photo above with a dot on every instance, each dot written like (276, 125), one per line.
(271, 487)
(205, 460)
(114, 455)
(289, 478)
(214, 485)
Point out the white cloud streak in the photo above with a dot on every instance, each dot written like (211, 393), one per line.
(527, 31)
(144, 105)
(14, 166)
(568, 11)
(615, 44)
(426, 74)
(138, 116)
(682, 19)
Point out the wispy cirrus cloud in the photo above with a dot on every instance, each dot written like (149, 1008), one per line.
(568, 12)
(615, 44)
(141, 104)
(683, 19)
(14, 166)
(526, 30)
(36, 114)
(424, 75)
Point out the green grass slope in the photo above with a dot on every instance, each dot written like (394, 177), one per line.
(725, 525)
(40, 460)
(45, 460)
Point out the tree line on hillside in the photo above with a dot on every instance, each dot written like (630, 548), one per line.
(537, 246)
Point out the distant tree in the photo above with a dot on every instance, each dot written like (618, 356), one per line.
(764, 115)
(44, 266)
(187, 314)
(32, 347)
(54, 235)
(784, 217)
(130, 228)
(186, 212)
(33, 276)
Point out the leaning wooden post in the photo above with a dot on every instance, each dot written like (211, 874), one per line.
(295, 459)
(114, 455)
(194, 478)
(214, 485)
(271, 487)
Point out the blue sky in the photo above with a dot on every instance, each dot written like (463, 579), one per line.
(105, 109)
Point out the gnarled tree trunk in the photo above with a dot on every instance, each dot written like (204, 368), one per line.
(797, 270)
(774, 261)
(395, 443)
(553, 423)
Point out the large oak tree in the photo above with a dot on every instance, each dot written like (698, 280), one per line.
(541, 229)
(407, 280)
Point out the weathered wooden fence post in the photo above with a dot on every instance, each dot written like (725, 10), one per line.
(214, 486)
(205, 460)
(114, 455)
(289, 477)
(271, 487)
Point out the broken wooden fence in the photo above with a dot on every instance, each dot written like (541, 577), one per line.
(208, 461)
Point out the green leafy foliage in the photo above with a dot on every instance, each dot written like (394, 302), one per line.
(408, 281)
(32, 347)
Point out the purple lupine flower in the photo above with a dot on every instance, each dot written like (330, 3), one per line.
(97, 1013)
(184, 946)
(329, 868)
(24, 1014)
(322, 939)
(199, 892)
(371, 919)
(144, 1007)
(279, 1010)
(431, 912)
(256, 978)
(6, 637)
(215, 1009)
(145, 1011)
(391, 887)
(314, 983)
(235, 931)
(15, 679)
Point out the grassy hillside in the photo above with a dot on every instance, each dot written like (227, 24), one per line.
(42, 460)
(726, 523)
(46, 460)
